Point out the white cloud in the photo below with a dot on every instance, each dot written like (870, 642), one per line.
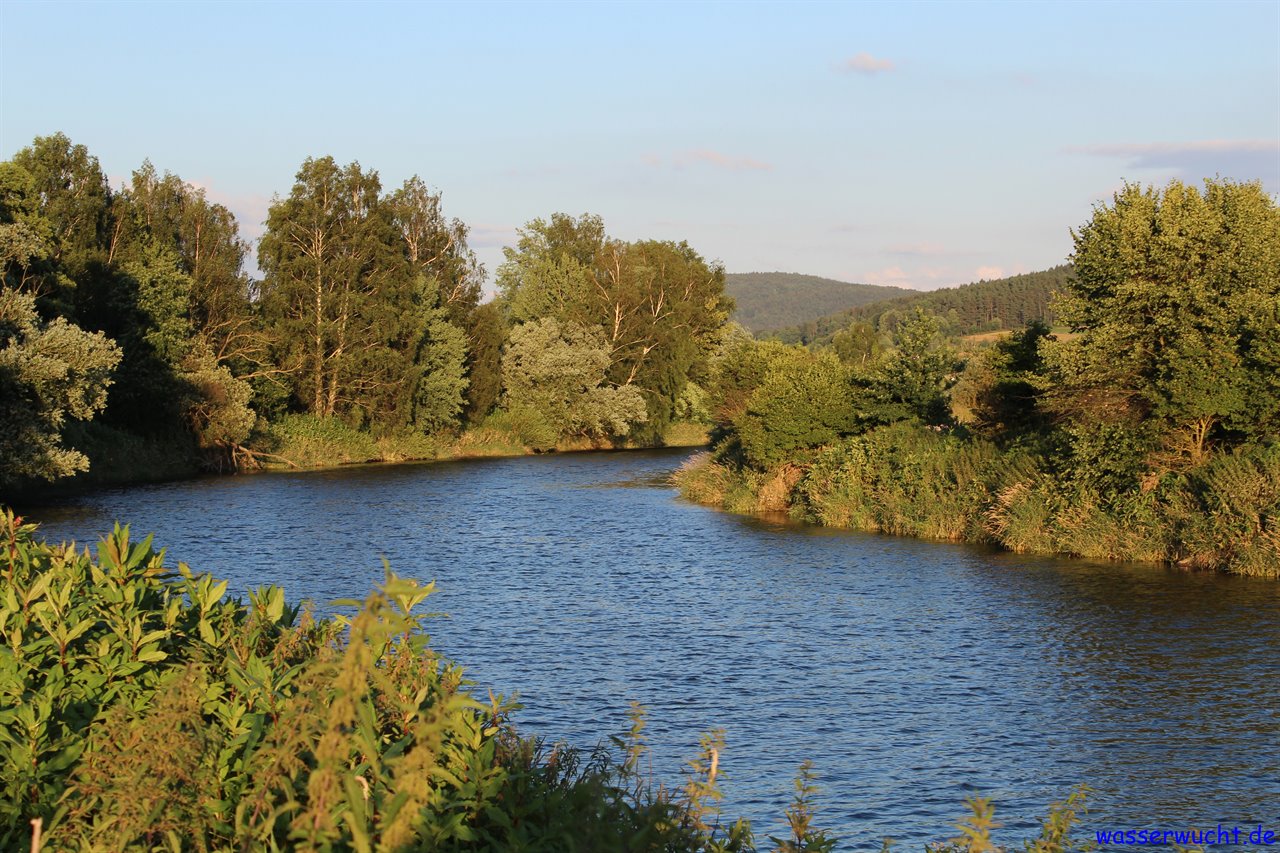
(865, 63)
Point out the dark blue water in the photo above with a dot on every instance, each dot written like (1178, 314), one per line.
(913, 674)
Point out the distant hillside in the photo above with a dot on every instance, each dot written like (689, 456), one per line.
(775, 300)
(984, 306)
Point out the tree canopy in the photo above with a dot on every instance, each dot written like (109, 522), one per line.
(1176, 306)
(658, 304)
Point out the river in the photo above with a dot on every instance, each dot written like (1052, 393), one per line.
(914, 674)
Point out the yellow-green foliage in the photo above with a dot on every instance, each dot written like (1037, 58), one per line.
(1055, 833)
(685, 434)
(902, 479)
(495, 436)
(307, 441)
(1227, 513)
(706, 481)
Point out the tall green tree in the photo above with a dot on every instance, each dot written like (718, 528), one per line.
(1176, 306)
(556, 376)
(436, 361)
(334, 276)
(362, 291)
(912, 378)
(74, 194)
(485, 340)
(659, 304)
(437, 247)
(206, 239)
(194, 341)
(68, 192)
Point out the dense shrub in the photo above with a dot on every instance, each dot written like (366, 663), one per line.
(902, 479)
(142, 709)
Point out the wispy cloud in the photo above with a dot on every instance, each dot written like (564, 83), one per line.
(1241, 159)
(894, 275)
(917, 250)
(934, 276)
(707, 157)
(865, 63)
(491, 236)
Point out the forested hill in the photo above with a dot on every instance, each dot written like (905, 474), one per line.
(983, 306)
(776, 300)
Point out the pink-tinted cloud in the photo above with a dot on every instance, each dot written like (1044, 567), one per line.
(865, 63)
(988, 273)
(894, 275)
(249, 209)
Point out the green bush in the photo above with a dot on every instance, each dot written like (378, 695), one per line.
(142, 709)
(1227, 512)
(804, 402)
(902, 479)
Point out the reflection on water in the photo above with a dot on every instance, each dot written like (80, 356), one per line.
(913, 673)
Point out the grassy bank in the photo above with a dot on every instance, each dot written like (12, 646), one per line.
(910, 481)
(303, 441)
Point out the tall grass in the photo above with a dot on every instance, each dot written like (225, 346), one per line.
(908, 480)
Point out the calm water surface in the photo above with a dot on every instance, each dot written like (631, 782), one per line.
(913, 674)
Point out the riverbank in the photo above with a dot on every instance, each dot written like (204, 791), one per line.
(300, 443)
(1223, 515)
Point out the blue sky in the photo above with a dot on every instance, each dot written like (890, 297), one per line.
(920, 144)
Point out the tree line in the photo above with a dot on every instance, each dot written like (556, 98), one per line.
(129, 312)
(983, 306)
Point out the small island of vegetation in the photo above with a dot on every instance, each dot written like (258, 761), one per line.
(1147, 429)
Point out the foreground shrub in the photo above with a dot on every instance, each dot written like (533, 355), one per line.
(142, 709)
